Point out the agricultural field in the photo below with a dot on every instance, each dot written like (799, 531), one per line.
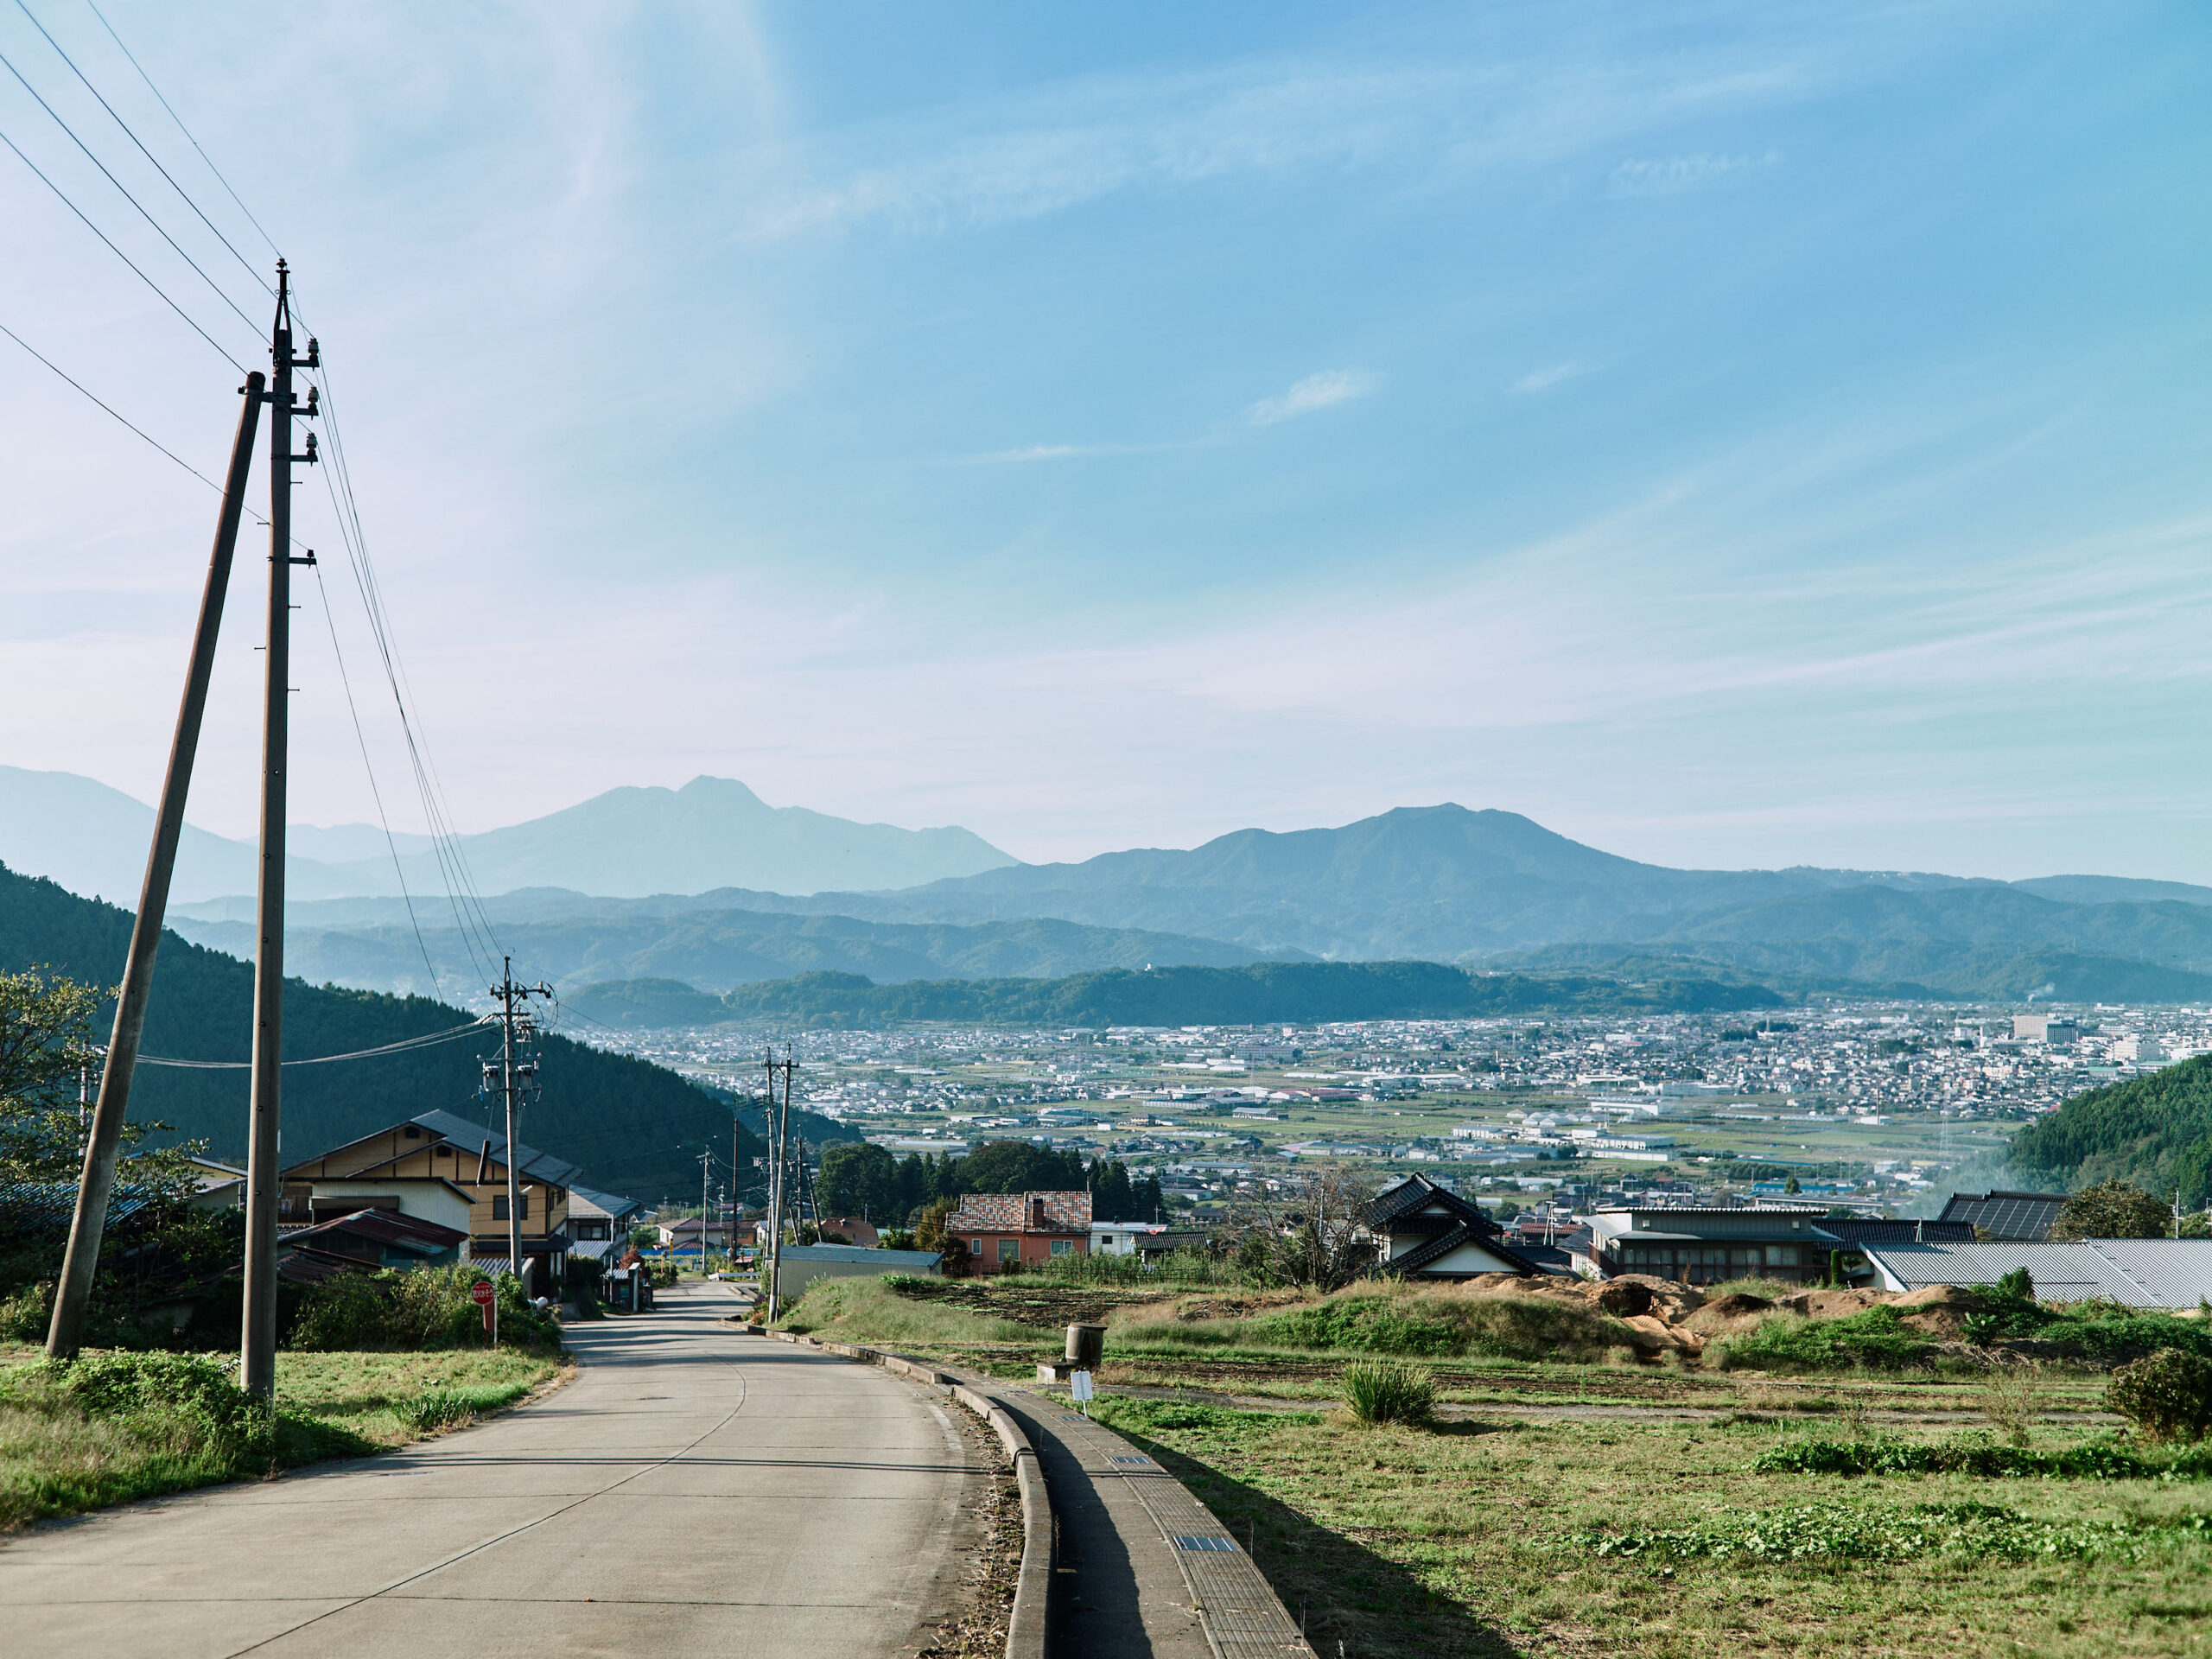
(1573, 1491)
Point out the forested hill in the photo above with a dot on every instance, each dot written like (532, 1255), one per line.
(1303, 992)
(2154, 1130)
(634, 1128)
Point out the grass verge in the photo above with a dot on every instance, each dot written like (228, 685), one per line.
(112, 1429)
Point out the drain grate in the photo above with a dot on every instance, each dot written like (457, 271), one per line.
(1132, 1459)
(1203, 1543)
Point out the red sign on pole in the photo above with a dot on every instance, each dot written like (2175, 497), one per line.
(481, 1293)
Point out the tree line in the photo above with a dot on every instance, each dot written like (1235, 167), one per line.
(869, 1182)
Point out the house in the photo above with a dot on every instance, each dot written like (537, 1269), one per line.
(421, 1164)
(1707, 1247)
(1145, 1238)
(1427, 1231)
(2019, 1216)
(600, 1223)
(2165, 1273)
(372, 1238)
(217, 1186)
(850, 1230)
(1005, 1232)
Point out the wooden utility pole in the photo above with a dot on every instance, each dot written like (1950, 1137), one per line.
(97, 1182)
(265, 1131)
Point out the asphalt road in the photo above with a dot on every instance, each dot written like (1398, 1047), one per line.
(690, 1493)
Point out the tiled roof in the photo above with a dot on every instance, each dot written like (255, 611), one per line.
(1417, 1194)
(385, 1226)
(538, 1166)
(1009, 1213)
(30, 1208)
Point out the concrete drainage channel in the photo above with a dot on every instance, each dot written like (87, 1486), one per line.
(1229, 1609)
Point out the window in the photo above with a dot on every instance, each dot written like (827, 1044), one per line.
(442, 1152)
(1009, 1249)
(975, 1248)
(499, 1207)
(1781, 1255)
(1062, 1246)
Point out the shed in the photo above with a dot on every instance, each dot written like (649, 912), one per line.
(2164, 1273)
(1428, 1231)
(803, 1263)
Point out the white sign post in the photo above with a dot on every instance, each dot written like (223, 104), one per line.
(1080, 1385)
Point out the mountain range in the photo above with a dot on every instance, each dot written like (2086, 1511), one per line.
(709, 886)
(635, 1128)
(713, 832)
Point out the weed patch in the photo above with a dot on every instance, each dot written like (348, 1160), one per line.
(1875, 1340)
(1895, 1532)
(2093, 1460)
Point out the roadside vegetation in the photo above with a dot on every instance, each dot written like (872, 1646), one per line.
(115, 1427)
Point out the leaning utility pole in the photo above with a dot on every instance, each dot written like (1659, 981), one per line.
(264, 1137)
(97, 1181)
(512, 1080)
(780, 1123)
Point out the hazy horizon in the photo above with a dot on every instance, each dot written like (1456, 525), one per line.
(1731, 440)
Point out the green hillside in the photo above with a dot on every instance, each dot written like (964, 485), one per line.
(1258, 994)
(2153, 1130)
(634, 1128)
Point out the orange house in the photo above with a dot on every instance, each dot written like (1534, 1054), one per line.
(1008, 1232)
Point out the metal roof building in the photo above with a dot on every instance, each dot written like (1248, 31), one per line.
(2015, 1216)
(2167, 1273)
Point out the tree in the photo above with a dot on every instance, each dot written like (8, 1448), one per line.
(1019, 1166)
(2113, 1209)
(1313, 1230)
(45, 1048)
(1791, 1186)
(859, 1179)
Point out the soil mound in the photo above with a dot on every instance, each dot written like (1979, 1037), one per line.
(1728, 1315)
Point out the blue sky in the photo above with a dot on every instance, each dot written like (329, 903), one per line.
(1729, 435)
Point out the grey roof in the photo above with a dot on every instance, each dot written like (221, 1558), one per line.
(538, 1166)
(889, 1260)
(2007, 1215)
(2135, 1271)
(584, 1200)
(1875, 1229)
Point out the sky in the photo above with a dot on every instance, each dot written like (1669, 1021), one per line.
(1729, 435)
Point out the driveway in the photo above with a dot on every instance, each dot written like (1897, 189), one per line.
(689, 1493)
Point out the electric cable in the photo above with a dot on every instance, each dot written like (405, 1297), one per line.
(21, 6)
(9, 63)
(110, 410)
(182, 128)
(406, 1045)
(375, 791)
(120, 254)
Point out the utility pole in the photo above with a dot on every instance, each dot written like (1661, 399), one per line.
(779, 1183)
(264, 1132)
(736, 1179)
(513, 1078)
(97, 1180)
(706, 1163)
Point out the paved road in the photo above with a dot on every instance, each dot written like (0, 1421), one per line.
(690, 1493)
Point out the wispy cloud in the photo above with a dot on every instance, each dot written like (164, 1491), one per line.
(1544, 379)
(1674, 175)
(1322, 391)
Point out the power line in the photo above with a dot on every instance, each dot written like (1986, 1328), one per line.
(118, 252)
(429, 1040)
(182, 128)
(109, 409)
(346, 681)
(5, 62)
(23, 6)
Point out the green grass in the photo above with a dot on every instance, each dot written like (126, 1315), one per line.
(114, 1428)
(869, 1310)
(1875, 1340)
(1661, 1539)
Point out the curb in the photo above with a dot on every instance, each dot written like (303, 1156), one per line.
(1025, 1630)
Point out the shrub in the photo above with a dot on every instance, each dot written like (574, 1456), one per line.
(405, 1311)
(1875, 1340)
(2167, 1395)
(2093, 1460)
(1387, 1391)
(1365, 1323)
